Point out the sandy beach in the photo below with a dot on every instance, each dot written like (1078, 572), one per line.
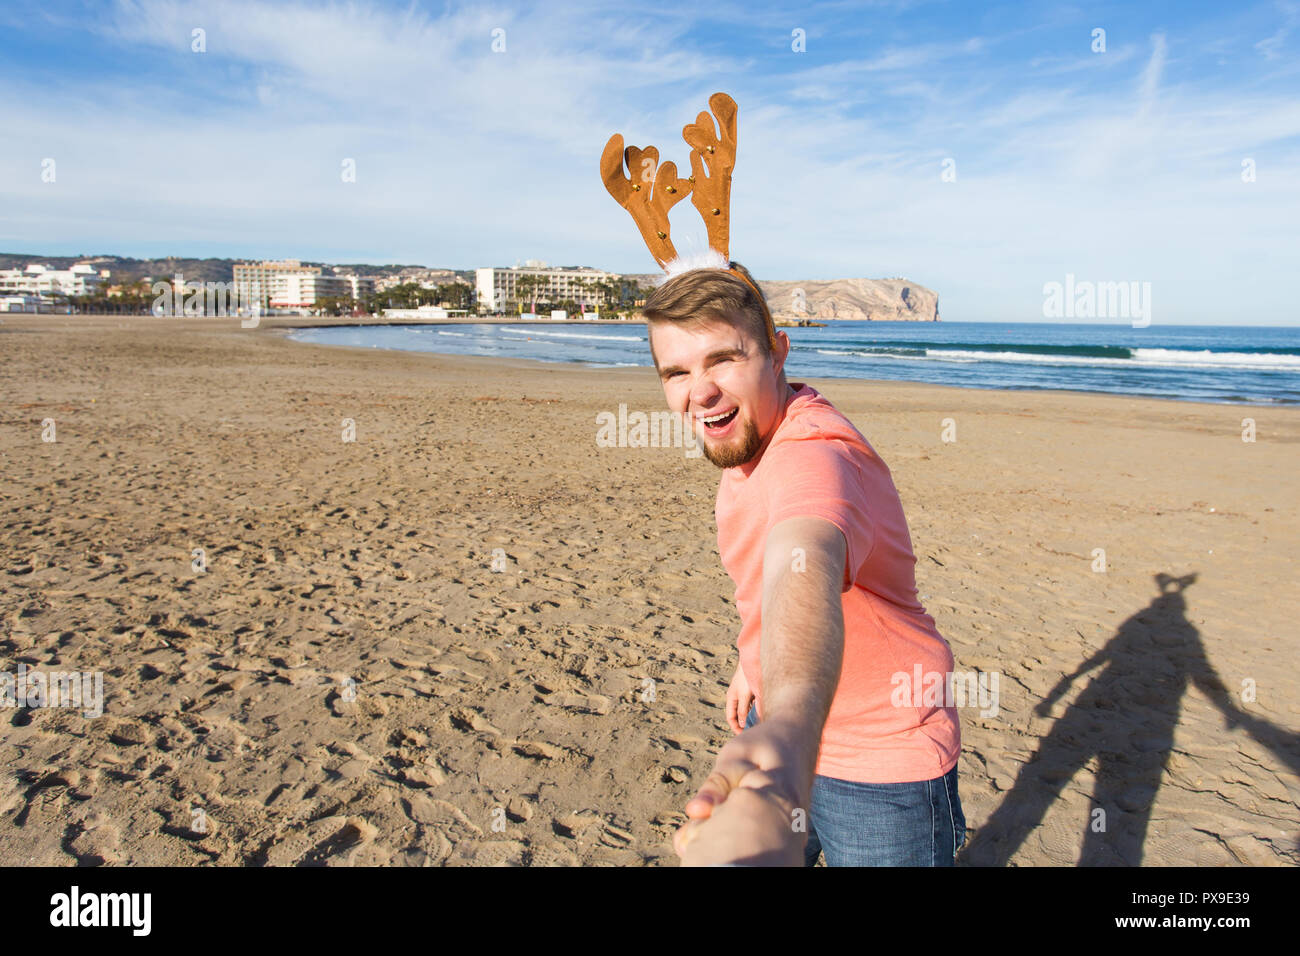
(473, 636)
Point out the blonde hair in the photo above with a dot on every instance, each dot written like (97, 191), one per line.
(727, 295)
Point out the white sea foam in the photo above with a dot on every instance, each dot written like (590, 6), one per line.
(862, 353)
(576, 335)
(1144, 358)
(1207, 359)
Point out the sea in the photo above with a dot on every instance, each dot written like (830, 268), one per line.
(1252, 365)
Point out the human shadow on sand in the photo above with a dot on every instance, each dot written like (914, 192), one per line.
(1125, 718)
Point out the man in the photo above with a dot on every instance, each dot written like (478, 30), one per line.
(812, 532)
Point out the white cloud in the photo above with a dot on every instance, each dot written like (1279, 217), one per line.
(1271, 46)
(466, 157)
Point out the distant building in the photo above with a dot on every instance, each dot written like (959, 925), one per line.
(261, 282)
(289, 285)
(44, 282)
(499, 289)
(426, 312)
(304, 291)
(424, 278)
(20, 303)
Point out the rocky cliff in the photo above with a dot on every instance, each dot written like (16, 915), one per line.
(878, 300)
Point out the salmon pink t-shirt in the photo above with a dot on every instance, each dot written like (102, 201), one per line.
(817, 464)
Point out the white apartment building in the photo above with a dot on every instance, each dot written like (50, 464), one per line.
(305, 290)
(358, 287)
(263, 282)
(288, 284)
(498, 288)
(20, 303)
(41, 280)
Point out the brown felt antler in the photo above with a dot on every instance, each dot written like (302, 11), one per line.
(649, 207)
(711, 194)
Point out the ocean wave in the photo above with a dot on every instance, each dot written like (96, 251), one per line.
(904, 347)
(1138, 357)
(576, 335)
(1141, 358)
(1276, 361)
(882, 351)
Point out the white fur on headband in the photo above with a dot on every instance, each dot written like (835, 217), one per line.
(708, 259)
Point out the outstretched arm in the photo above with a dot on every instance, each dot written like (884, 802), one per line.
(1044, 706)
(744, 811)
(803, 634)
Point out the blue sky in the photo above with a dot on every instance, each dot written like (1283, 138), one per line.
(1122, 165)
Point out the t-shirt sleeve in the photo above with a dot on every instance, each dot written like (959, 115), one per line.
(817, 477)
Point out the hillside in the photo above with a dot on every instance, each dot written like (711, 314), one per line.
(877, 300)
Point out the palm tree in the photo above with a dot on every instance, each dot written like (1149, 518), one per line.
(457, 295)
(585, 286)
(611, 294)
(526, 287)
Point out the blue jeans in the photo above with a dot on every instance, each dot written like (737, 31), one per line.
(883, 824)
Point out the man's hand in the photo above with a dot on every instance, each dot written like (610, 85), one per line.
(739, 699)
(753, 827)
(746, 810)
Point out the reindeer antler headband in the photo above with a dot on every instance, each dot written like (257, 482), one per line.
(650, 189)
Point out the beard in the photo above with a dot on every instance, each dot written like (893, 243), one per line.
(736, 451)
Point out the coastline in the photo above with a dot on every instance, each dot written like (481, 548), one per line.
(524, 688)
(1233, 401)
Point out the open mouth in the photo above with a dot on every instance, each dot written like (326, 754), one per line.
(719, 423)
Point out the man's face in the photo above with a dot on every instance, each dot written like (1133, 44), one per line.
(715, 370)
